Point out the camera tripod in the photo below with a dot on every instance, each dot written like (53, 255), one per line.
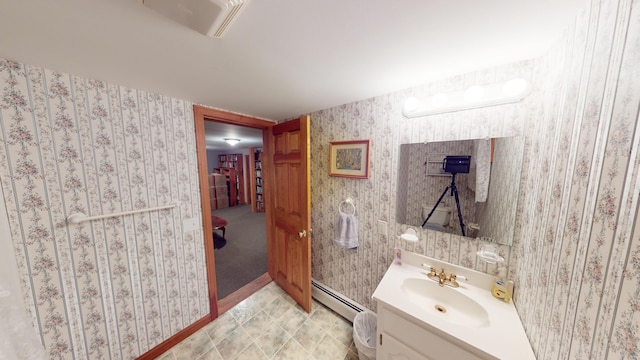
(454, 192)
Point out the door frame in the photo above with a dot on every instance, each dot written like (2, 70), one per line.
(200, 115)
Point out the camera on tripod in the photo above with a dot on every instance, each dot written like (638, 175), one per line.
(456, 164)
(453, 164)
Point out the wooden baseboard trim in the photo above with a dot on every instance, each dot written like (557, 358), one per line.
(244, 292)
(175, 339)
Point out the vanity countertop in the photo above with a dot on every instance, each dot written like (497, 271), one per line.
(503, 337)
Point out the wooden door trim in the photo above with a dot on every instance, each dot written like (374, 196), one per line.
(200, 115)
(205, 113)
(284, 127)
(267, 181)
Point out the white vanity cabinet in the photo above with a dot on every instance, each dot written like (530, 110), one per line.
(418, 319)
(400, 337)
(393, 349)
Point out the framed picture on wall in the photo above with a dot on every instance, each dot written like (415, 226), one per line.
(349, 159)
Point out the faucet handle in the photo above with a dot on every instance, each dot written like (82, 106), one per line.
(453, 281)
(458, 277)
(432, 270)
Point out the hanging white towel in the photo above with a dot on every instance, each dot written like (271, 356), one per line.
(346, 230)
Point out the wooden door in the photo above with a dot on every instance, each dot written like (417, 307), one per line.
(290, 199)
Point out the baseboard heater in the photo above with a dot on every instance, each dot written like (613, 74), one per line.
(335, 301)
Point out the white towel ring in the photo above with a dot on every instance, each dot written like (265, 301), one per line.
(347, 201)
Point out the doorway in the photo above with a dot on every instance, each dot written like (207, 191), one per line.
(212, 118)
(235, 194)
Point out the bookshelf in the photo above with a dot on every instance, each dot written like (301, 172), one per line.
(230, 161)
(257, 199)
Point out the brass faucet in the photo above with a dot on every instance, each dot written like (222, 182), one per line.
(442, 278)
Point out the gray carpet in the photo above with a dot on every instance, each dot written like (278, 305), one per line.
(241, 256)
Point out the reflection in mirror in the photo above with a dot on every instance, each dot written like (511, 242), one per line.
(440, 189)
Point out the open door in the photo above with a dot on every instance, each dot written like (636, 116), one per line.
(290, 202)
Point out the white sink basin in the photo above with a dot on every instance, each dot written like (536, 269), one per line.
(445, 302)
(468, 316)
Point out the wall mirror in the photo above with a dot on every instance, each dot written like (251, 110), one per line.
(464, 187)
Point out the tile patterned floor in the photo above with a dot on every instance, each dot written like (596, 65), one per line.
(270, 325)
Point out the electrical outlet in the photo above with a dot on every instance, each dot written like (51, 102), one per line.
(190, 224)
(382, 227)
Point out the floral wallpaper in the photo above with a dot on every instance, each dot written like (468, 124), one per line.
(576, 253)
(577, 268)
(117, 287)
(113, 288)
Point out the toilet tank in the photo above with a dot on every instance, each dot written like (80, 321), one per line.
(440, 216)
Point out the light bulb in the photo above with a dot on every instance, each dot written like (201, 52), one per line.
(515, 87)
(411, 104)
(474, 93)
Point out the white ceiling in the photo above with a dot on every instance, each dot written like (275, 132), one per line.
(281, 58)
(216, 132)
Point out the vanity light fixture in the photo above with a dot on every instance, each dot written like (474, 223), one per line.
(412, 104)
(474, 94)
(472, 98)
(231, 141)
(439, 99)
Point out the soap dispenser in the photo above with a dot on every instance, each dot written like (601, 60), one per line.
(502, 289)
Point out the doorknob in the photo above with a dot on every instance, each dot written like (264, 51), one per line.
(302, 233)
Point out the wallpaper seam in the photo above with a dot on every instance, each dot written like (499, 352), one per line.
(82, 315)
(29, 292)
(116, 344)
(110, 208)
(603, 140)
(627, 241)
(77, 339)
(559, 236)
(586, 223)
(577, 114)
(616, 264)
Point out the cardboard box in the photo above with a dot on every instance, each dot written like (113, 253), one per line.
(218, 191)
(222, 202)
(214, 204)
(219, 180)
(221, 191)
